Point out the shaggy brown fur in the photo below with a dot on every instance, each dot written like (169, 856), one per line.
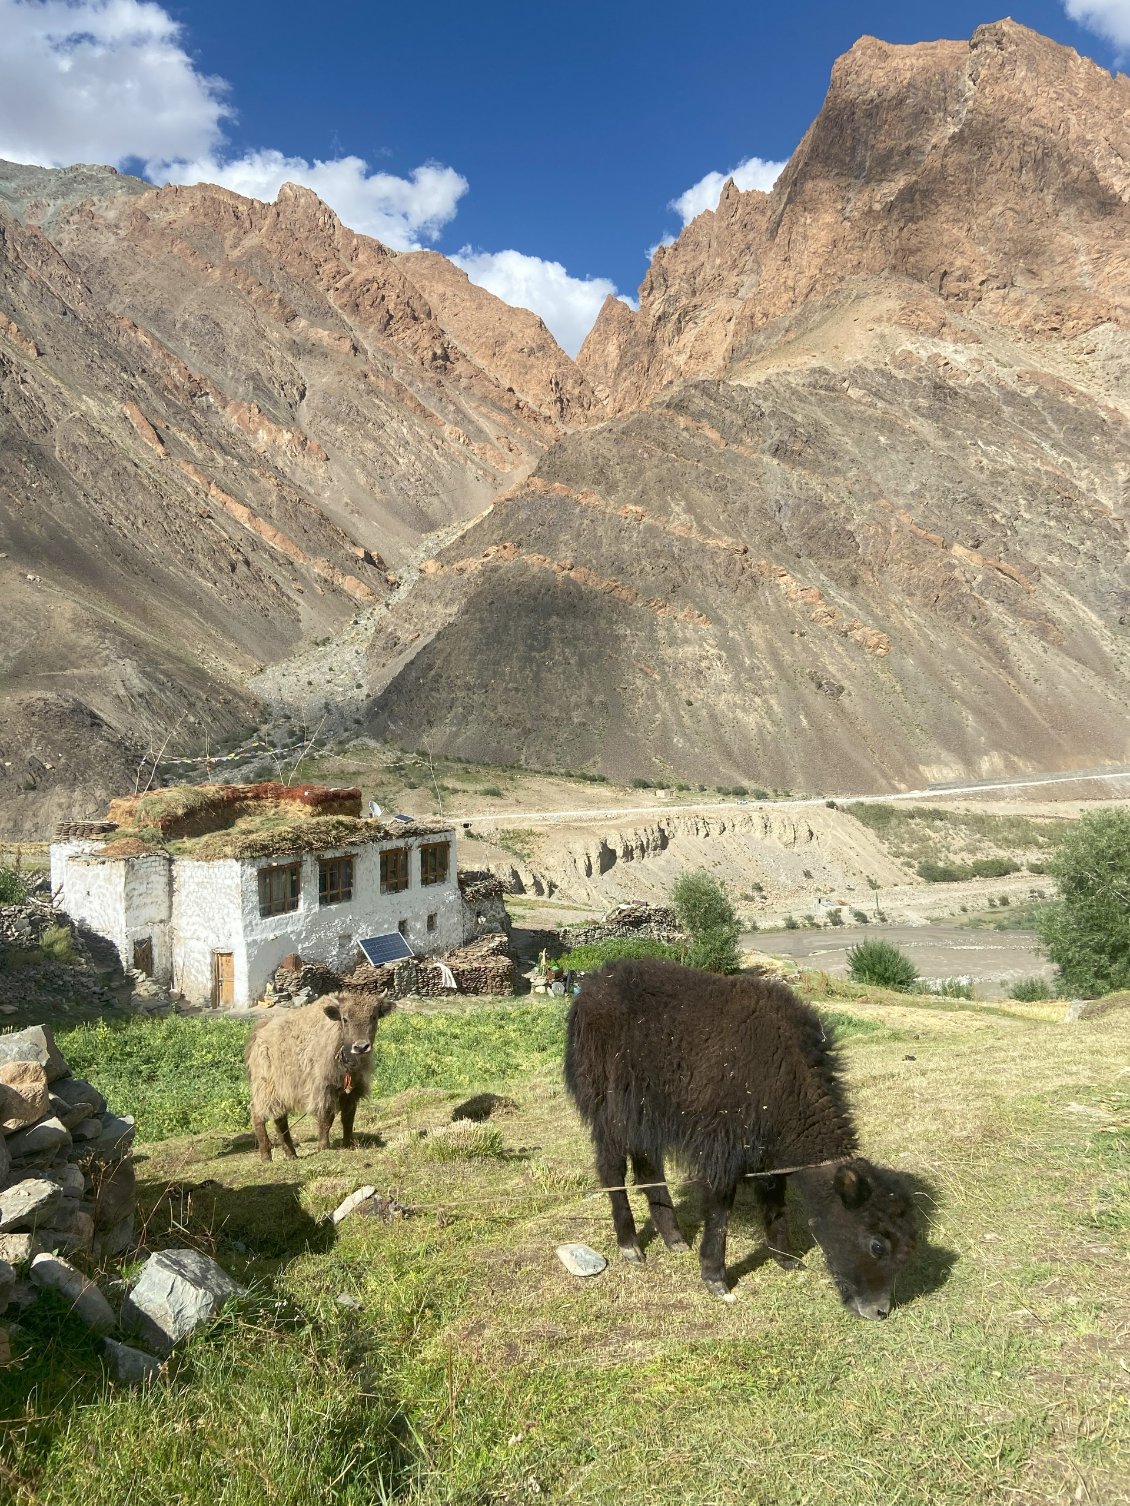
(732, 1076)
(318, 1058)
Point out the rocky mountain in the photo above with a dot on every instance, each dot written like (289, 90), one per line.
(859, 515)
(223, 425)
(843, 504)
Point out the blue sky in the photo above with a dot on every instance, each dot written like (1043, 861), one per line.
(544, 144)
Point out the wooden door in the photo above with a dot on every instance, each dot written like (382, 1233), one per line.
(143, 956)
(223, 980)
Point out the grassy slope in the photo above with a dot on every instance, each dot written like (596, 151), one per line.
(477, 1371)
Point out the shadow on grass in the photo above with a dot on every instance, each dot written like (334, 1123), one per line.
(263, 1221)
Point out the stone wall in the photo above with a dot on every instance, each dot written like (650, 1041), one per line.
(631, 921)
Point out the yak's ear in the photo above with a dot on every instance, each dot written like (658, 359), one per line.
(384, 1005)
(331, 1010)
(852, 1186)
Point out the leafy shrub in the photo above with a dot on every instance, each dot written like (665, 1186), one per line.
(955, 873)
(835, 917)
(760, 794)
(492, 790)
(944, 988)
(791, 923)
(706, 913)
(739, 790)
(58, 944)
(642, 784)
(860, 917)
(1087, 931)
(881, 963)
(942, 873)
(586, 959)
(13, 890)
(1031, 990)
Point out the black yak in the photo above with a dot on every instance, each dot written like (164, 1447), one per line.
(731, 1076)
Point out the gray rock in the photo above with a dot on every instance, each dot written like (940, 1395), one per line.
(35, 1044)
(176, 1291)
(72, 1232)
(48, 1135)
(87, 1129)
(77, 1090)
(5, 1162)
(1075, 1011)
(29, 1204)
(114, 1189)
(117, 1240)
(24, 1096)
(73, 1181)
(87, 1302)
(579, 1260)
(346, 1299)
(7, 1283)
(133, 1366)
(354, 1200)
(116, 1138)
(70, 1114)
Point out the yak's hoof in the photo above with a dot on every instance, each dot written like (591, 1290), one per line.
(719, 1289)
(264, 1155)
(678, 1246)
(290, 1155)
(786, 1262)
(632, 1252)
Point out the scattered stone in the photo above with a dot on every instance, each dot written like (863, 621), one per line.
(133, 1366)
(5, 1162)
(579, 1260)
(24, 1095)
(385, 1208)
(72, 1233)
(1075, 1011)
(48, 1134)
(5, 1348)
(345, 1299)
(29, 1204)
(7, 1283)
(68, 1114)
(354, 1200)
(87, 1302)
(77, 1090)
(176, 1291)
(36, 1044)
(87, 1129)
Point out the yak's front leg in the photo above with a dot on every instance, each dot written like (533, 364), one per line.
(612, 1168)
(712, 1251)
(347, 1104)
(262, 1139)
(282, 1123)
(771, 1196)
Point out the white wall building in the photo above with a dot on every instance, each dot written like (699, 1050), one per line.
(215, 928)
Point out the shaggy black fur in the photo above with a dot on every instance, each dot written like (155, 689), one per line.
(732, 1076)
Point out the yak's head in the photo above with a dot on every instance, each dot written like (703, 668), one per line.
(357, 1015)
(865, 1221)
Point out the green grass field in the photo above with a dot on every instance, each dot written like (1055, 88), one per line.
(472, 1370)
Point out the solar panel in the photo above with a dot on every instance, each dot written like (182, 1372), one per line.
(390, 948)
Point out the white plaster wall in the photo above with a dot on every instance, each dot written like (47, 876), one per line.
(147, 911)
(206, 918)
(330, 933)
(92, 890)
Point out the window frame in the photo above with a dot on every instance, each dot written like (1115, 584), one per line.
(269, 907)
(389, 885)
(342, 893)
(428, 876)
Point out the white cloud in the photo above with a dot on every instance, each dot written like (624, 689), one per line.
(754, 172)
(568, 305)
(1107, 18)
(100, 81)
(401, 212)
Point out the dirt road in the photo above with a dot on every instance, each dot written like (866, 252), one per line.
(991, 960)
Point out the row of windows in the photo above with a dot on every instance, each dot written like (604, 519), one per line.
(281, 885)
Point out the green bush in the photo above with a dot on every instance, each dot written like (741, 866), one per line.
(13, 890)
(944, 988)
(642, 784)
(492, 790)
(860, 917)
(58, 944)
(791, 923)
(955, 873)
(835, 917)
(1087, 931)
(1031, 990)
(586, 959)
(706, 913)
(881, 963)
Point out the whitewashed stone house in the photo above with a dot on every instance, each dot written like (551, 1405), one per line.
(209, 888)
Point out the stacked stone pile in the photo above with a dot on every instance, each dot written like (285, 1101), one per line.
(481, 967)
(68, 1199)
(25, 924)
(629, 921)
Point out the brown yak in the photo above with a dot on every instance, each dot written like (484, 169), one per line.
(318, 1058)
